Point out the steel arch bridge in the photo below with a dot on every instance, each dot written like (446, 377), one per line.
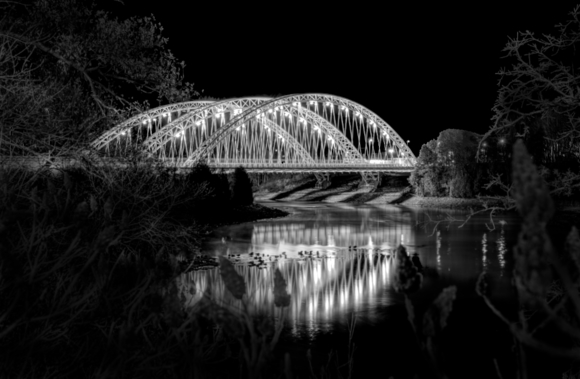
(316, 133)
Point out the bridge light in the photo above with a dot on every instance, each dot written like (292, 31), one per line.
(391, 151)
(243, 126)
(312, 102)
(372, 123)
(276, 108)
(370, 140)
(302, 120)
(179, 134)
(124, 132)
(328, 103)
(218, 115)
(238, 129)
(164, 114)
(296, 104)
(270, 110)
(144, 122)
(287, 114)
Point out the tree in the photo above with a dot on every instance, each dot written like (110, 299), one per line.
(539, 94)
(425, 179)
(242, 188)
(445, 167)
(68, 70)
(456, 151)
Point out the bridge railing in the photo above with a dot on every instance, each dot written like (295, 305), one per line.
(253, 163)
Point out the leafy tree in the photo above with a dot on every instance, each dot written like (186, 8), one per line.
(456, 151)
(69, 69)
(426, 176)
(447, 166)
(242, 188)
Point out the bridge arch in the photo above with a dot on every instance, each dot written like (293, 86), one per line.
(357, 134)
(146, 118)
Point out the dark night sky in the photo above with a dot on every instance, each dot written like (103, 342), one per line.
(422, 68)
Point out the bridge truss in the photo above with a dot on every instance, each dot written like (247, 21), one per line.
(295, 133)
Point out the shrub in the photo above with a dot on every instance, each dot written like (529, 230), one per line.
(242, 188)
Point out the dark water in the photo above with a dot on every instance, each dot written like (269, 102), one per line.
(333, 284)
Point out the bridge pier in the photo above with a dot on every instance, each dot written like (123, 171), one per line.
(322, 180)
(370, 179)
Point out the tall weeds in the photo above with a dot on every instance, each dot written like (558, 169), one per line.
(87, 268)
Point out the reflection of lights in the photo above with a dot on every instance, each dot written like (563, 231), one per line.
(501, 249)
(438, 251)
(484, 251)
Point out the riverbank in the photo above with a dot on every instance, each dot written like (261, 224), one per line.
(449, 203)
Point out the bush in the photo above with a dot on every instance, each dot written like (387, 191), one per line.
(87, 266)
(242, 188)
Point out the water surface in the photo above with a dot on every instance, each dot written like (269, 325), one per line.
(338, 262)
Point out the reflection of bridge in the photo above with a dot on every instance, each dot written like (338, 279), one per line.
(329, 283)
(321, 289)
(294, 133)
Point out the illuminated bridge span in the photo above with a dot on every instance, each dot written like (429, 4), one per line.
(294, 133)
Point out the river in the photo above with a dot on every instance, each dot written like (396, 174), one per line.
(338, 262)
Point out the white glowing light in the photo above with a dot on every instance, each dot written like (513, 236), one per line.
(370, 140)
(312, 102)
(303, 120)
(165, 114)
(218, 115)
(179, 134)
(391, 151)
(276, 108)
(270, 110)
(238, 128)
(296, 104)
(144, 122)
(287, 114)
